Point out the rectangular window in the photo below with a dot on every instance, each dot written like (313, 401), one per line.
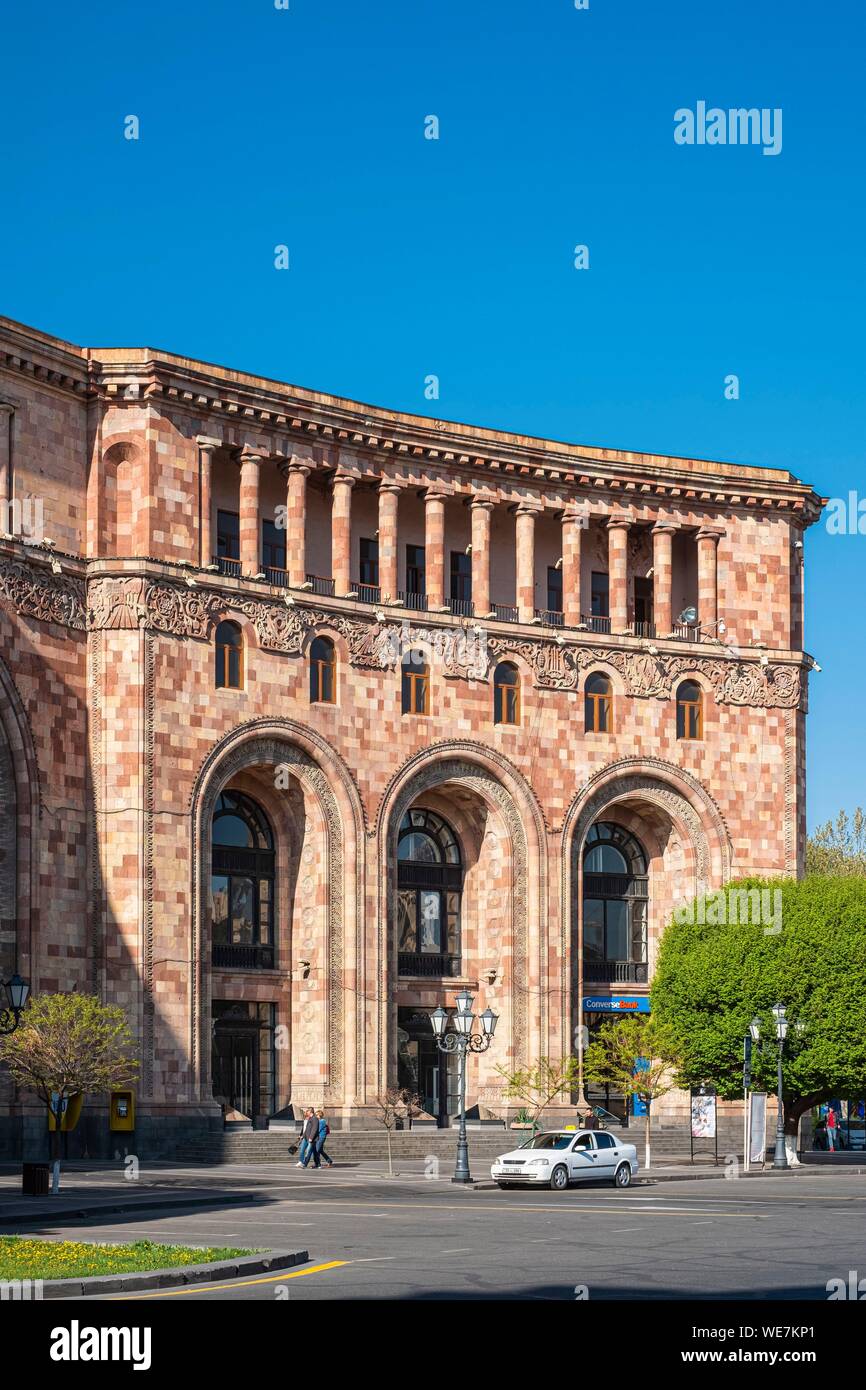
(273, 546)
(600, 595)
(461, 576)
(228, 535)
(407, 931)
(416, 573)
(369, 561)
(242, 899)
(616, 943)
(643, 600)
(593, 929)
(554, 589)
(430, 907)
(219, 909)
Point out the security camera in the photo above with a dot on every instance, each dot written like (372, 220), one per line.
(815, 666)
(191, 581)
(765, 660)
(560, 640)
(652, 649)
(798, 545)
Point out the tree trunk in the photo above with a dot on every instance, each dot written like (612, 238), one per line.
(54, 1148)
(390, 1165)
(648, 1138)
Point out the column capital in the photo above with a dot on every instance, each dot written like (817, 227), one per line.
(204, 442)
(6, 408)
(252, 456)
(436, 493)
(388, 485)
(299, 465)
(482, 502)
(664, 528)
(710, 533)
(348, 479)
(580, 518)
(616, 523)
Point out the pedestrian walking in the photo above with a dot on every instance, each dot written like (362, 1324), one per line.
(324, 1131)
(832, 1130)
(305, 1141)
(311, 1134)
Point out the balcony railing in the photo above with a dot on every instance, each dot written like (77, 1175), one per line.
(595, 623)
(463, 607)
(614, 972)
(505, 612)
(643, 629)
(367, 593)
(227, 566)
(238, 957)
(430, 966)
(275, 575)
(417, 602)
(550, 617)
(686, 632)
(318, 585)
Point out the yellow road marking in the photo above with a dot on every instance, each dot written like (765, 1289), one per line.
(216, 1288)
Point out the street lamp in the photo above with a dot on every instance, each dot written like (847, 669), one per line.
(17, 991)
(780, 1014)
(461, 1041)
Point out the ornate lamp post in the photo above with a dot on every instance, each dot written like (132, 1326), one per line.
(780, 1014)
(17, 991)
(461, 1041)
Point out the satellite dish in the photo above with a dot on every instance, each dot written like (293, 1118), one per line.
(689, 616)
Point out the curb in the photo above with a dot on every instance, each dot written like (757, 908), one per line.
(171, 1278)
(650, 1179)
(12, 1216)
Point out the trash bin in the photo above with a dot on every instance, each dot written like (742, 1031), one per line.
(35, 1179)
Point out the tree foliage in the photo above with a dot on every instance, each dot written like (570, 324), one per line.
(539, 1085)
(70, 1044)
(711, 979)
(611, 1056)
(839, 846)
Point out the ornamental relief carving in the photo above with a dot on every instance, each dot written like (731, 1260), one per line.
(458, 651)
(38, 593)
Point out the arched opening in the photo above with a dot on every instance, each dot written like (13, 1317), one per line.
(598, 704)
(429, 888)
(323, 672)
(229, 652)
(506, 694)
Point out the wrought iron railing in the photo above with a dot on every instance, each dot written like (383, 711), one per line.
(367, 593)
(238, 957)
(550, 617)
(640, 628)
(505, 612)
(321, 586)
(417, 602)
(595, 623)
(615, 972)
(428, 965)
(275, 575)
(462, 607)
(227, 566)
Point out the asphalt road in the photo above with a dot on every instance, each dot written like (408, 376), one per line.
(374, 1238)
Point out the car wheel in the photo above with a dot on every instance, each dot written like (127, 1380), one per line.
(622, 1176)
(559, 1178)
(502, 1186)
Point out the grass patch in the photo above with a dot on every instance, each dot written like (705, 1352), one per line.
(23, 1257)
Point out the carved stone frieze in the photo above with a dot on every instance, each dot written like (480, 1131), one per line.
(38, 593)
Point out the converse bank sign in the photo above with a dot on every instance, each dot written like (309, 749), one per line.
(77, 1343)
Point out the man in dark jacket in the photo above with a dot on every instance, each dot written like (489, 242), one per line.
(311, 1134)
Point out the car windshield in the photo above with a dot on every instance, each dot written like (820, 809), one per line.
(548, 1141)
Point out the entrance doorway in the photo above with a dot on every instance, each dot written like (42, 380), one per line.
(423, 1069)
(243, 1059)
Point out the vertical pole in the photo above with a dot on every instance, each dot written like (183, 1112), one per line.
(461, 1171)
(780, 1158)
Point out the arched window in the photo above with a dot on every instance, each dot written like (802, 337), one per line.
(598, 704)
(323, 672)
(229, 657)
(615, 896)
(690, 710)
(416, 683)
(429, 886)
(506, 694)
(242, 884)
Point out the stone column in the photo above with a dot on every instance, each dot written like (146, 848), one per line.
(525, 566)
(572, 531)
(617, 566)
(6, 414)
(251, 546)
(434, 549)
(663, 617)
(480, 508)
(708, 599)
(206, 450)
(296, 522)
(389, 501)
(341, 534)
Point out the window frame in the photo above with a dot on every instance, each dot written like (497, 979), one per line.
(596, 702)
(411, 681)
(689, 713)
(501, 691)
(222, 655)
(318, 665)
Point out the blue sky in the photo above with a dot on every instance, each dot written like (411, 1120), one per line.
(261, 126)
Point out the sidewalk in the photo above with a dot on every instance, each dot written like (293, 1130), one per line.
(94, 1189)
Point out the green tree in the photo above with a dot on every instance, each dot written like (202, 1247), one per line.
(539, 1085)
(68, 1045)
(839, 846)
(712, 978)
(637, 1056)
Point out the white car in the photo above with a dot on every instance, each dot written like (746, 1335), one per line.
(562, 1156)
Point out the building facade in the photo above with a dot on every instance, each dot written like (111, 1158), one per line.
(313, 713)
